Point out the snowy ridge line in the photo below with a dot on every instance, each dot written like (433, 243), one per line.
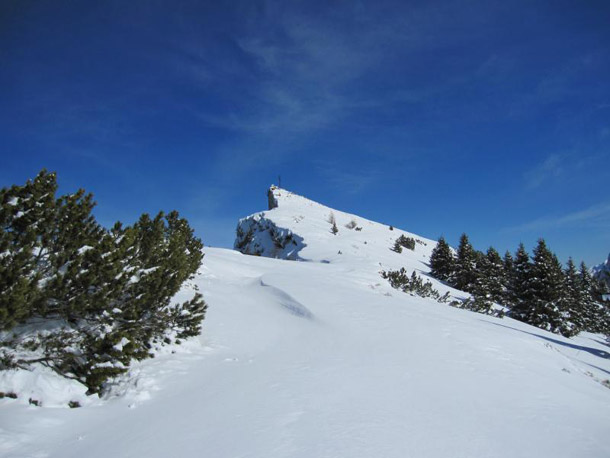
(297, 228)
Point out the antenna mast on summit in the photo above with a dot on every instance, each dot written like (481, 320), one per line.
(279, 181)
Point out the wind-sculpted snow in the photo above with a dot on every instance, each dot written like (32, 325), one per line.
(289, 303)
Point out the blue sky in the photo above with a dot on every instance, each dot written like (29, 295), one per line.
(490, 118)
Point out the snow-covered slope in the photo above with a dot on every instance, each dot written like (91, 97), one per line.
(301, 229)
(324, 359)
(602, 271)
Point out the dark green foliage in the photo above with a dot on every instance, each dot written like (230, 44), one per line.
(520, 295)
(109, 290)
(572, 303)
(442, 261)
(480, 304)
(466, 270)
(596, 312)
(538, 291)
(26, 213)
(403, 242)
(413, 284)
(490, 276)
(508, 280)
(541, 296)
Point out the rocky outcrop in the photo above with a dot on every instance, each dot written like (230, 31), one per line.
(272, 201)
(259, 236)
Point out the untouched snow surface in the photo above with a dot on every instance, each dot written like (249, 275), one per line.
(324, 359)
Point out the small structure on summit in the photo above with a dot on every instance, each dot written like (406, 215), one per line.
(272, 202)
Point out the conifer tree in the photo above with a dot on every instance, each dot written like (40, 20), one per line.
(466, 274)
(545, 289)
(442, 261)
(26, 216)
(596, 314)
(520, 293)
(508, 281)
(109, 289)
(492, 275)
(572, 305)
(481, 285)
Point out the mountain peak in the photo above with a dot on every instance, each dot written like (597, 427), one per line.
(602, 271)
(298, 228)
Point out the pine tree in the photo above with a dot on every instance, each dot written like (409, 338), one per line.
(545, 288)
(466, 273)
(492, 275)
(572, 305)
(442, 261)
(596, 313)
(26, 216)
(481, 287)
(109, 289)
(508, 280)
(520, 293)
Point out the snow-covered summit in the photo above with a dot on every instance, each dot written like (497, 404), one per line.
(602, 271)
(297, 228)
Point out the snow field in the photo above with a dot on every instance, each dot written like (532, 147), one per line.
(324, 359)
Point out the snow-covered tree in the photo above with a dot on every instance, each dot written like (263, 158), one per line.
(572, 306)
(466, 270)
(442, 261)
(520, 293)
(109, 290)
(540, 301)
(508, 280)
(596, 312)
(491, 275)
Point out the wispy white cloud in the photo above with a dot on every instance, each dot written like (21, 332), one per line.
(306, 68)
(551, 167)
(562, 167)
(595, 216)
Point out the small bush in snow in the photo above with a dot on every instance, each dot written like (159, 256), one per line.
(413, 284)
(403, 242)
(351, 225)
(480, 304)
